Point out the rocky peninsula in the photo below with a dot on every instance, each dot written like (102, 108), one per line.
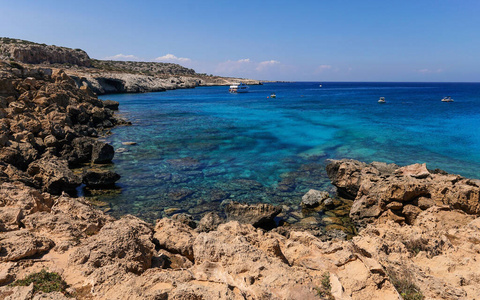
(106, 76)
(418, 229)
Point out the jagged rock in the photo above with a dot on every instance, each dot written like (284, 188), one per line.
(15, 245)
(90, 220)
(54, 175)
(10, 218)
(175, 237)
(102, 153)
(100, 179)
(185, 219)
(209, 222)
(8, 173)
(259, 215)
(18, 196)
(402, 193)
(110, 104)
(17, 292)
(32, 53)
(314, 198)
(127, 241)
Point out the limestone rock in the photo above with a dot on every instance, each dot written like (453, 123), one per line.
(127, 241)
(102, 153)
(209, 222)
(175, 237)
(54, 175)
(259, 215)
(402, 193)
(100, 179)
(314, 198)
(15, 245)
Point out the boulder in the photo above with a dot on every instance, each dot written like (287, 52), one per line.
(15, 245)
(126, 242)
(209, 222)
(110, 104)
(314, 198)
(54, 175)
(175, 237)
(102, 153)
(100, 179)
(258, 215)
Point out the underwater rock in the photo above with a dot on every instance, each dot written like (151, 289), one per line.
(179, 194)
(185, 164)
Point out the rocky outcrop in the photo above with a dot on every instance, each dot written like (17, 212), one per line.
(390, 192)
(32, 53)
(54, 176)
(126, 242)
(100, 179)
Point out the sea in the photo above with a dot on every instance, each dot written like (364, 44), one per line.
(199, 149)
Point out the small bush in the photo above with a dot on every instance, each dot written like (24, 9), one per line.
(403, 282)
(325, 291)
(44, 281)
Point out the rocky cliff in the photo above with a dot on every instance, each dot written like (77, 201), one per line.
(32, 53)
(107, 76)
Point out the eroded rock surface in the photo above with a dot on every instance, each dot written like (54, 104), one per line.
(400, 194)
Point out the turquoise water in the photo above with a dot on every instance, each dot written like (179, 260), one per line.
(198, 148)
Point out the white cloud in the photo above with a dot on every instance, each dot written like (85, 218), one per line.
(122, 57)
(322, 68)
(265, 64)
(231, 66)
(171, 58)
(247, 67)
(428, 71)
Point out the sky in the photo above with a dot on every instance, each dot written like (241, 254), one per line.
(320, 40)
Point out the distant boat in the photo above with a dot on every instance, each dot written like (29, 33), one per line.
(320, 86)
(447, 99)
(382, 100)
(272, 95)
(238, 88)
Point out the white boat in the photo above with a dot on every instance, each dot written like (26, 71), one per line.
(382, 100)
(272, 95)
(447, 99)
(238, 88)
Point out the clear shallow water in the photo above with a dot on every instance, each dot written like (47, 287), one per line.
(199, 147)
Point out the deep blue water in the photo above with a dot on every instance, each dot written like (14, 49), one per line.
(250, 148)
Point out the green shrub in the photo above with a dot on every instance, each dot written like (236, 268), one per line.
(325, 291)
(44, 281)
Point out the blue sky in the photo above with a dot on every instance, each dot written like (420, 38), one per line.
(369, 40)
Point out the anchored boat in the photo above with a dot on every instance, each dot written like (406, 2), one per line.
(238, 88)
(447, 99)
(382, 100)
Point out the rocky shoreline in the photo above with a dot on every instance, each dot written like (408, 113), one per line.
(418, 229)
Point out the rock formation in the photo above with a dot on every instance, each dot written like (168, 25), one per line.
(390, 192)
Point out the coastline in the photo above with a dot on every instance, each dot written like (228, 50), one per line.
(414, 224)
